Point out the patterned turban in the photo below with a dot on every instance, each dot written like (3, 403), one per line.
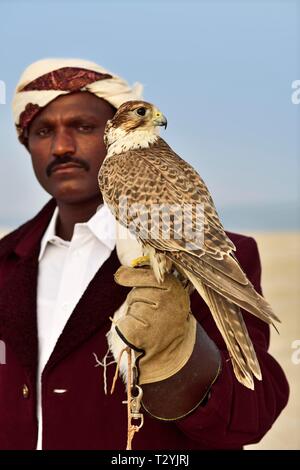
(45, 80)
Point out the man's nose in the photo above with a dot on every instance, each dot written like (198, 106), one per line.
(63, 144)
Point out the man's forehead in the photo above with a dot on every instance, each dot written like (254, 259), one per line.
(75, 105)
(79, 100)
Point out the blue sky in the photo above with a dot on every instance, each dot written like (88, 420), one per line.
(220, 71)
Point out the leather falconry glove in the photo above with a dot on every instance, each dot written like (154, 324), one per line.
(157, 325)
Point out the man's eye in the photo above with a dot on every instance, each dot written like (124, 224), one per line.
(85, 128)
(43, 132)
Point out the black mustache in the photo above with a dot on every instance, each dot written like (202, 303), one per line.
(66, 159)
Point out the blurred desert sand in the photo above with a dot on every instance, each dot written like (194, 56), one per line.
(280, 257)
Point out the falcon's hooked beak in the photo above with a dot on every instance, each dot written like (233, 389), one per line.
(159, 119)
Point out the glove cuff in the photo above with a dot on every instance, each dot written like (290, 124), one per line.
(189, 388)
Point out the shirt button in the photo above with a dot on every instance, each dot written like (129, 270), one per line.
(25, 391)
(65, 306)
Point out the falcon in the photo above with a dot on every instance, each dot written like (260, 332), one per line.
(140, 177)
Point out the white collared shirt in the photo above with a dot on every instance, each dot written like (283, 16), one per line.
(65, 270)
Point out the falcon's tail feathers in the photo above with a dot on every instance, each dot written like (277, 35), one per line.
(231, 325)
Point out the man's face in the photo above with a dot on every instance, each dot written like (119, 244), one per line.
(66, 146)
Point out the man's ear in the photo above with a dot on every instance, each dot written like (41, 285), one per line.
(25, 139)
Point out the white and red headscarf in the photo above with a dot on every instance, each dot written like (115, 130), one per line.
(45, 80)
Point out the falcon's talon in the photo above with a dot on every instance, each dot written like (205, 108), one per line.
(140, 261)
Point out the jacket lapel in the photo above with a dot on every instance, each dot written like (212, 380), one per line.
(18, 312)
(19, 263)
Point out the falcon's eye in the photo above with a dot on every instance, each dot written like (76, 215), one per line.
(141, 111)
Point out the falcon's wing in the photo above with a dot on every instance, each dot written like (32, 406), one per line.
(158, 176)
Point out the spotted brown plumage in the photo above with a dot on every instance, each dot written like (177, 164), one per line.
(142, 169)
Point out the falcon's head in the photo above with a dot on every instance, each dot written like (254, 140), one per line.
(134, 125)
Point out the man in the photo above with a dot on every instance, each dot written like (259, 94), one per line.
(58, 294)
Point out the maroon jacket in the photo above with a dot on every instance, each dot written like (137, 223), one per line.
(84, 417)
